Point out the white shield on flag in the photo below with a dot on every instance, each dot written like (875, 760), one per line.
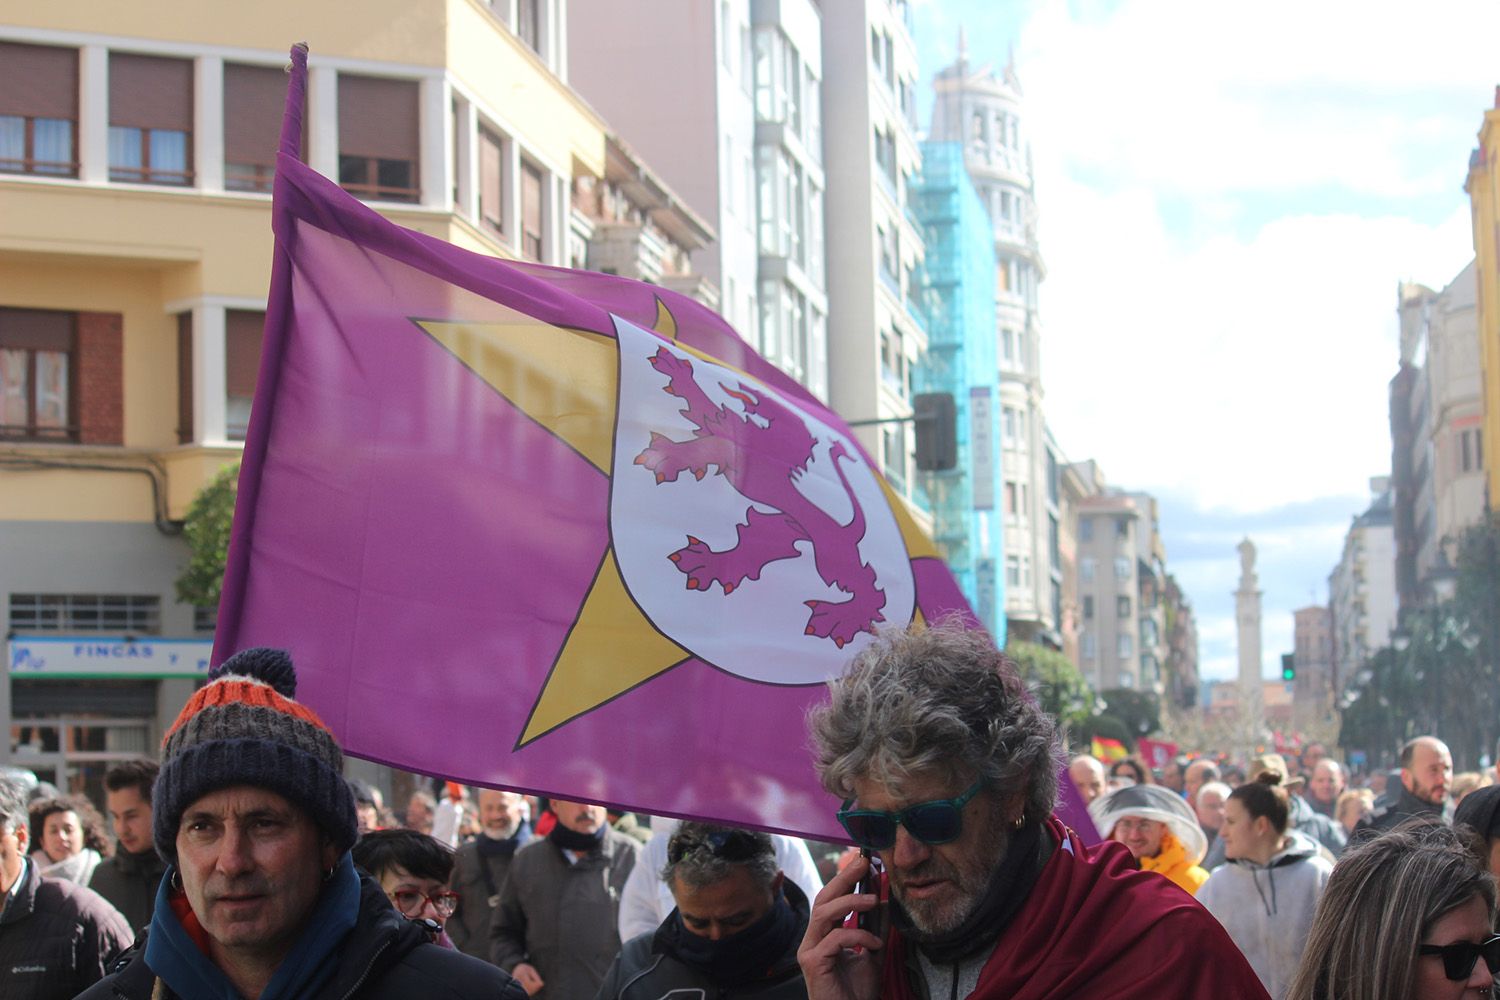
(749, 532)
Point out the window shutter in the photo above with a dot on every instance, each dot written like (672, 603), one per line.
(242, 333)
(184, 378)
(378, 117)
(150, 92)
(36, 329)
(38, 81)
(254, 98)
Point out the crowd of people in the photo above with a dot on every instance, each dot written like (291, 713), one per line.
(243, 864)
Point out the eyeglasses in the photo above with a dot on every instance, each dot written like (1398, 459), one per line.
(731, 845)
(937, 822)
(1460, 956)
(410, 902)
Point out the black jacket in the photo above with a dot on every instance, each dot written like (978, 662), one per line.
(646, 969)
(56, 938)
(129, 882)
(1403, 808)
(385, 957)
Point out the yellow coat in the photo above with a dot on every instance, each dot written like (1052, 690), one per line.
(1172, 862)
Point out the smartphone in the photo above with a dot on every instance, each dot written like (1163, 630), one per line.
(874, 920)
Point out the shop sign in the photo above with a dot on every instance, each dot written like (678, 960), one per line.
(107, 656)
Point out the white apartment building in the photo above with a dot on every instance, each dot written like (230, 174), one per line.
(1362, 587)
(724, 98)
(1122, 585)
(1441, 386)
(869, 126)
(983, 110)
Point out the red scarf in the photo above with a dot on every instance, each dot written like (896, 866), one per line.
(1096, 926)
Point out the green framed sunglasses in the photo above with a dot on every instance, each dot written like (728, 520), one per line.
(937, 822)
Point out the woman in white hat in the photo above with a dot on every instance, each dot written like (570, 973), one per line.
(1158, 827)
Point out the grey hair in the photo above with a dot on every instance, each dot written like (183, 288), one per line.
(14, 814)
(698, 864)
(1382, 899)
(936, 699)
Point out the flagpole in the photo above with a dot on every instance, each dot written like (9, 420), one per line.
(278, 319)
(296, 95)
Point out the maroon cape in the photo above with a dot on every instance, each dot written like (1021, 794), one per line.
(1096, 926)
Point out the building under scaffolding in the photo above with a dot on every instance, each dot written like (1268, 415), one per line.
(958, 295)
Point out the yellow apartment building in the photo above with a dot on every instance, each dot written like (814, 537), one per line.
(1483, 186)
(137, 145)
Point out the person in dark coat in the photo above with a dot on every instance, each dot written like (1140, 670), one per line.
(734, 932)
(262, 897)
(56, 937)
(557, 927)
(1426, 774)
(481, 868)
(129, 879)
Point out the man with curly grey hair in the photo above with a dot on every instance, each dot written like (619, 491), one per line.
(948, 771)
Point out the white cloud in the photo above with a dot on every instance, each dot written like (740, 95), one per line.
(1241, 353)
(1198, 98)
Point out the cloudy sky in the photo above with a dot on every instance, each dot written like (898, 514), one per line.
(1227, 205)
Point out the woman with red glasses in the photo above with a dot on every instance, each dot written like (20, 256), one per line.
(1407, 916)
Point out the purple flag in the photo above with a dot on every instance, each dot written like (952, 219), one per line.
(551, 530)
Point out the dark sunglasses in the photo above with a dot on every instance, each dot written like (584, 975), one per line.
(731, 845)
(937, 822)
(1460, 956)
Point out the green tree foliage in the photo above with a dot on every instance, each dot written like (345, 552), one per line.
(1440, 676)
(1055, 683)
(1138, 711)
(206, 531)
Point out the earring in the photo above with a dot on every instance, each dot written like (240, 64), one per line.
(1020, 821)
(328, 875)
(174, 882)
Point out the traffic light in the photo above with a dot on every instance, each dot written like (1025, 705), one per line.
(936, 433)
(1288, 666)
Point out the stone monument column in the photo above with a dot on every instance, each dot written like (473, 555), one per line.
(1247, 616)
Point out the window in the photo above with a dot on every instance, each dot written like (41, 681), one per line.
(378, 141)
(1013, 571)
(1122, 607)
(885, 154)
(1010, 498)
(138, 614)
(1089, 645)
(1124, 645)
(38, 110)
(531, 211)
(890, 252)
(1008, 344)
(254, 100)
(1088, 606)
(726, 36)
(1122, 567)
(492, 182)
(1085, 529)
(529, 23)
(1086, 570)
(150, 119)
(1122, 528)
(242, 344)
(36, 374)
(185, 377)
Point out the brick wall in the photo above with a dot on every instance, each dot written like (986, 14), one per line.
(99, 380)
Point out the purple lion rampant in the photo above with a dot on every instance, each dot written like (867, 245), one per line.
(763, 463)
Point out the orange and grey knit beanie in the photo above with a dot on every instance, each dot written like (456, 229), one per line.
(244, 728)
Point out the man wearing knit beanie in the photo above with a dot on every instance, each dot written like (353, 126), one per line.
(262, 900)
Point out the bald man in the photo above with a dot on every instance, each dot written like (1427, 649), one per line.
(1199, 773)
(1088, 777)
(1426, 775)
